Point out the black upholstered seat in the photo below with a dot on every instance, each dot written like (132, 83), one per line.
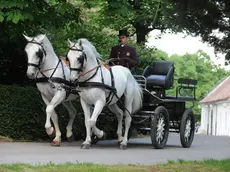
(160, 73)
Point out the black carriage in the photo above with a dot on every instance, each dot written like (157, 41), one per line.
(161, 113)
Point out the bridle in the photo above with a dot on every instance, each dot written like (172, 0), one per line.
(81, 59)
(40, 58)
(40, 61)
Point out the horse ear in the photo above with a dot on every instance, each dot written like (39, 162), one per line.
(70, 43)
(27, 38)
(40, 39)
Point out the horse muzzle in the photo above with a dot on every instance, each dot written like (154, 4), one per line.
(31, 75)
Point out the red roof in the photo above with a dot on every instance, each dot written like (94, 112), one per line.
(221, 92)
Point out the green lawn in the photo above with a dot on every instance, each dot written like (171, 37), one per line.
(180, 165)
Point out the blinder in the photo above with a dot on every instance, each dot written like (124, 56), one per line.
(81, 59)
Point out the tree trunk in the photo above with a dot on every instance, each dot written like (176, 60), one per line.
(139, 28)
(141, 32)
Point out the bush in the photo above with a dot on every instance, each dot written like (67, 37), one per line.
(22, 115)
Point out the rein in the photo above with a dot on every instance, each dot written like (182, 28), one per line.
(105, 64)
(46, 70)
(99, 65)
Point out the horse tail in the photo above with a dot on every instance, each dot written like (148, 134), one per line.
(137, 93)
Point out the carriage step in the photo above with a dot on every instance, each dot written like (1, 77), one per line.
(144, 131)
(147, 112)
(174, 130)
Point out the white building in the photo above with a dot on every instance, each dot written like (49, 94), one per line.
(215, 114)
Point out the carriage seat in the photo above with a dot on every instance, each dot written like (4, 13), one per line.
(159, 73)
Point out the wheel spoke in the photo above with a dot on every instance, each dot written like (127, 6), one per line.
(187, 132)
(160, 128)
(187, 128)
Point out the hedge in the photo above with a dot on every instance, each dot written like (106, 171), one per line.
(22, 115)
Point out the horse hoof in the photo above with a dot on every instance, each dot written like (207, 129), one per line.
(119, 142)
(85, 146)
(123, 147)
(95, 139)
(70, 139)
(55, 143)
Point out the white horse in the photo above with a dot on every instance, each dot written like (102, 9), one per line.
(44, 65)
(86, 67)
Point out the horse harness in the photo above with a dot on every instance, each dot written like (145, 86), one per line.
(64, 83)
(101, 84)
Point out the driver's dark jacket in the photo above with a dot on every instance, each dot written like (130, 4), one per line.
(125, 51)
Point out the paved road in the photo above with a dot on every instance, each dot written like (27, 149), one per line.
(107, 152)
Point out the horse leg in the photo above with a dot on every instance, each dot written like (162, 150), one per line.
(72, 113)
(91, 122)
(119, 113)
(50, 113)
(98, 107)
(86, 108)
(57, 140)
(99, 135)
(128, 119)
(50, 131)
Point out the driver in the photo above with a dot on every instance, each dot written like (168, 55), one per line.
(123, 50)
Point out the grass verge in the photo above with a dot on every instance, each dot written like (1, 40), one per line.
(180, 165)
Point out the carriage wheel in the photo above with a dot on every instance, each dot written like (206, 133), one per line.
(187, 128)
(160, 127)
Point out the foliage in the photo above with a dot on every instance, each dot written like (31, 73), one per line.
(20, 113)
(140, 16)
(96, 21)
(180, 165)
(200, 67)
(209, 19)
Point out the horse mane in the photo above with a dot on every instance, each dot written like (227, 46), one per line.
(88, 46)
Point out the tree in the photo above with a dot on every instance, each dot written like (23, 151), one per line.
(200, 67)
(140, 16)
(195, 17)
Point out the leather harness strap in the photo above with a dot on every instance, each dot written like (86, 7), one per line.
(101, 85)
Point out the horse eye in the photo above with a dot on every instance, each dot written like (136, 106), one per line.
(81, 59)
(39, 54)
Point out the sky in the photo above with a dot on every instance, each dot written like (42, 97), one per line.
(177, 44)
